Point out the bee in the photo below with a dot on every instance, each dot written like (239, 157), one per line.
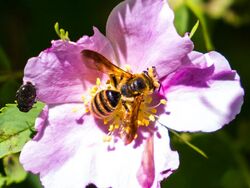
(128, 91)
(26, 96)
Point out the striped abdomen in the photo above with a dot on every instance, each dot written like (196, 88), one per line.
(104, 103)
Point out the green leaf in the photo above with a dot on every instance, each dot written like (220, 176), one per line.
(13, 169)
(34, 181)
(2, 180)
(4, 61)
(185, 139)
(16, 128)
(181, 19)
(64, 35)
(193, 30)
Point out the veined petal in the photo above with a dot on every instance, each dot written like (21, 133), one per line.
(202, 107)
(166, 160)
(55, 155)
(59, 73)
(143, 35)
(71, 153)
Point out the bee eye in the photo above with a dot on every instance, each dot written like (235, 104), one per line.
(140, 84)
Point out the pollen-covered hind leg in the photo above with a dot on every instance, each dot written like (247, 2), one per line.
(153, 75)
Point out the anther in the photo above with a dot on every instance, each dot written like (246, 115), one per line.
(98, 82)
(151, 118)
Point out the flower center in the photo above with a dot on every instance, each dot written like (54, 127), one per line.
(124, 114)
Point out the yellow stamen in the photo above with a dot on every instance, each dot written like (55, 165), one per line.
(163, 101)
(105, 121)
(83, 98)
(153, 110)
(111, 128)
(117, 126)
(107, 138)
(94, 89)
(148, 100)
(136, 135)
(98, 81)
(139, 122)
(145, 122)
(87, 109)
(151, 118)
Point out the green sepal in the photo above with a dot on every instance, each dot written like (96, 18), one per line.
(194, 29)
(194, 6)
(13, 170)
(185, 138)
(16, 128)
(64, 35)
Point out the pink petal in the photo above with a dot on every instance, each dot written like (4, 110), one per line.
(166, 160)
(207, 106)
(59, 73)
(143, 35)
(71, 153)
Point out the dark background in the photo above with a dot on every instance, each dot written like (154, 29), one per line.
(27, 27)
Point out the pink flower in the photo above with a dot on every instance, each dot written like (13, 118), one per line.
(201, 90)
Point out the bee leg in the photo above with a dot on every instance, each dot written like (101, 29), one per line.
(159, 87)
(113, 80)
(125, 106)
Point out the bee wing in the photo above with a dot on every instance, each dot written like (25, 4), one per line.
(130, 124)
(94, 60)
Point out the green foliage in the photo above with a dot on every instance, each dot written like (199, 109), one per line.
(2, 180)
(64, 35)
(16, 127)
(4, 61)
(34, 181)
(225, 167)
(13, 170)
(8, 87)
(181, 19)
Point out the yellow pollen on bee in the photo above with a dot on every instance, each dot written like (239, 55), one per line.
(156, 84)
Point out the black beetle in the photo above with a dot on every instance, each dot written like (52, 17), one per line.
(26, 97)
